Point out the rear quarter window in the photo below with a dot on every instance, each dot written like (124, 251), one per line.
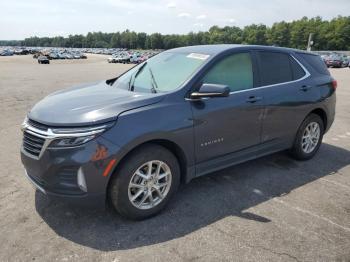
(316, 62)
(298, 71)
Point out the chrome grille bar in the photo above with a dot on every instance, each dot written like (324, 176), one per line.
(37, 137)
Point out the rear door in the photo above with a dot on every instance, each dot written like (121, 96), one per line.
(228, 124)
(288, 93)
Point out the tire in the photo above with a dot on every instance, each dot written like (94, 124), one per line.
(301, 152)
(120, 194)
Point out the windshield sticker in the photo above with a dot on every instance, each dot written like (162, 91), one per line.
(198, 56)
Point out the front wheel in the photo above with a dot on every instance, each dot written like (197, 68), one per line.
(308, 138)
(145, 182)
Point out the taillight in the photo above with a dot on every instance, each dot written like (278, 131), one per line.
(334, 84)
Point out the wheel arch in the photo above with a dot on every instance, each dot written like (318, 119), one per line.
(174, 148)
(317, 111)
(322, 114)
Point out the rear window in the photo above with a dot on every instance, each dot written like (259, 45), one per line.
(274, 68)
(316, 63)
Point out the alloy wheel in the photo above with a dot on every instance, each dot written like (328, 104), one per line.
(311, 137)
(150, 184)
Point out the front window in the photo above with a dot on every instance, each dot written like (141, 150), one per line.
(235, 71)
(164, 72)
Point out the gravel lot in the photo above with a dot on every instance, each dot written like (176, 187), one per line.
(270, 209)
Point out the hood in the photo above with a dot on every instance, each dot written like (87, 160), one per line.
(88, 104)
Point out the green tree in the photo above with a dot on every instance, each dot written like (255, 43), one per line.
(255, 34)
(141, 40)
(279, 34)
(327, 35)
(156, 41)
(115, 40)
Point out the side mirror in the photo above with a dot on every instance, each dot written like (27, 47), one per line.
(211, 90)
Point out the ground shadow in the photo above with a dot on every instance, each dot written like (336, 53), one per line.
(204, 201)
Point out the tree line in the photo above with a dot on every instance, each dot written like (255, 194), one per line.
(327, 35)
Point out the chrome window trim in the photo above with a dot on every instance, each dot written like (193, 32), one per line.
(307, 74)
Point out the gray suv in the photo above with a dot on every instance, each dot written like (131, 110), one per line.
(184, 113)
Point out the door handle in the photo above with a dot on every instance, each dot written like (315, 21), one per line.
(253, 99)
(305, 88)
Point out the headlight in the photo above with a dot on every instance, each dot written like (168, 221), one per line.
(71, 137)
(70, 142)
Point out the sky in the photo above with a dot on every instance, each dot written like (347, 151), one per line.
(24, 18)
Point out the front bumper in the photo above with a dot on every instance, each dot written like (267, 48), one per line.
(85, 200)
(55, 173)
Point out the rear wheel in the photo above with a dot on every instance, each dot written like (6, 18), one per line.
(308, 138)
(145, 182)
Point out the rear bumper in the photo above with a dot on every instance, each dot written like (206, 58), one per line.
(330, 109)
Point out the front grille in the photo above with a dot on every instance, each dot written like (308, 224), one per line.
(32, 144)
(37, 125)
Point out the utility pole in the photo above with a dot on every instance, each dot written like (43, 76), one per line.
(310, 42)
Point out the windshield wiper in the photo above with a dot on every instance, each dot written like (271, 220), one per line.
(133, 77)
(154, 83)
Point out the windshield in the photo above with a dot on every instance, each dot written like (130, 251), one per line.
(164, 72)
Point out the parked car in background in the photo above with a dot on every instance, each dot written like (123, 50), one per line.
(346, 61)
(16, 50)
(122, 57)
(43, 60)
(52, 56)
(181, 114)
(336, 60)
(131, 56)
(118, 55)
(68, 56)
(135, 58)
(60, 53)
(113, 58)
(6, 52)
(61, 56)
(21, 51)
(142, 58)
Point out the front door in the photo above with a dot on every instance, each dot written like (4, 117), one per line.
(225, 125)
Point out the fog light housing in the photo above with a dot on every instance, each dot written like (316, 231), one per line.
(81, 180)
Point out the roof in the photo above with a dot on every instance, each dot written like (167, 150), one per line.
(216, 49)
(205, 49)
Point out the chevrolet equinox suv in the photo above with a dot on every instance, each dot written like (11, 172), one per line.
(184, 113)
